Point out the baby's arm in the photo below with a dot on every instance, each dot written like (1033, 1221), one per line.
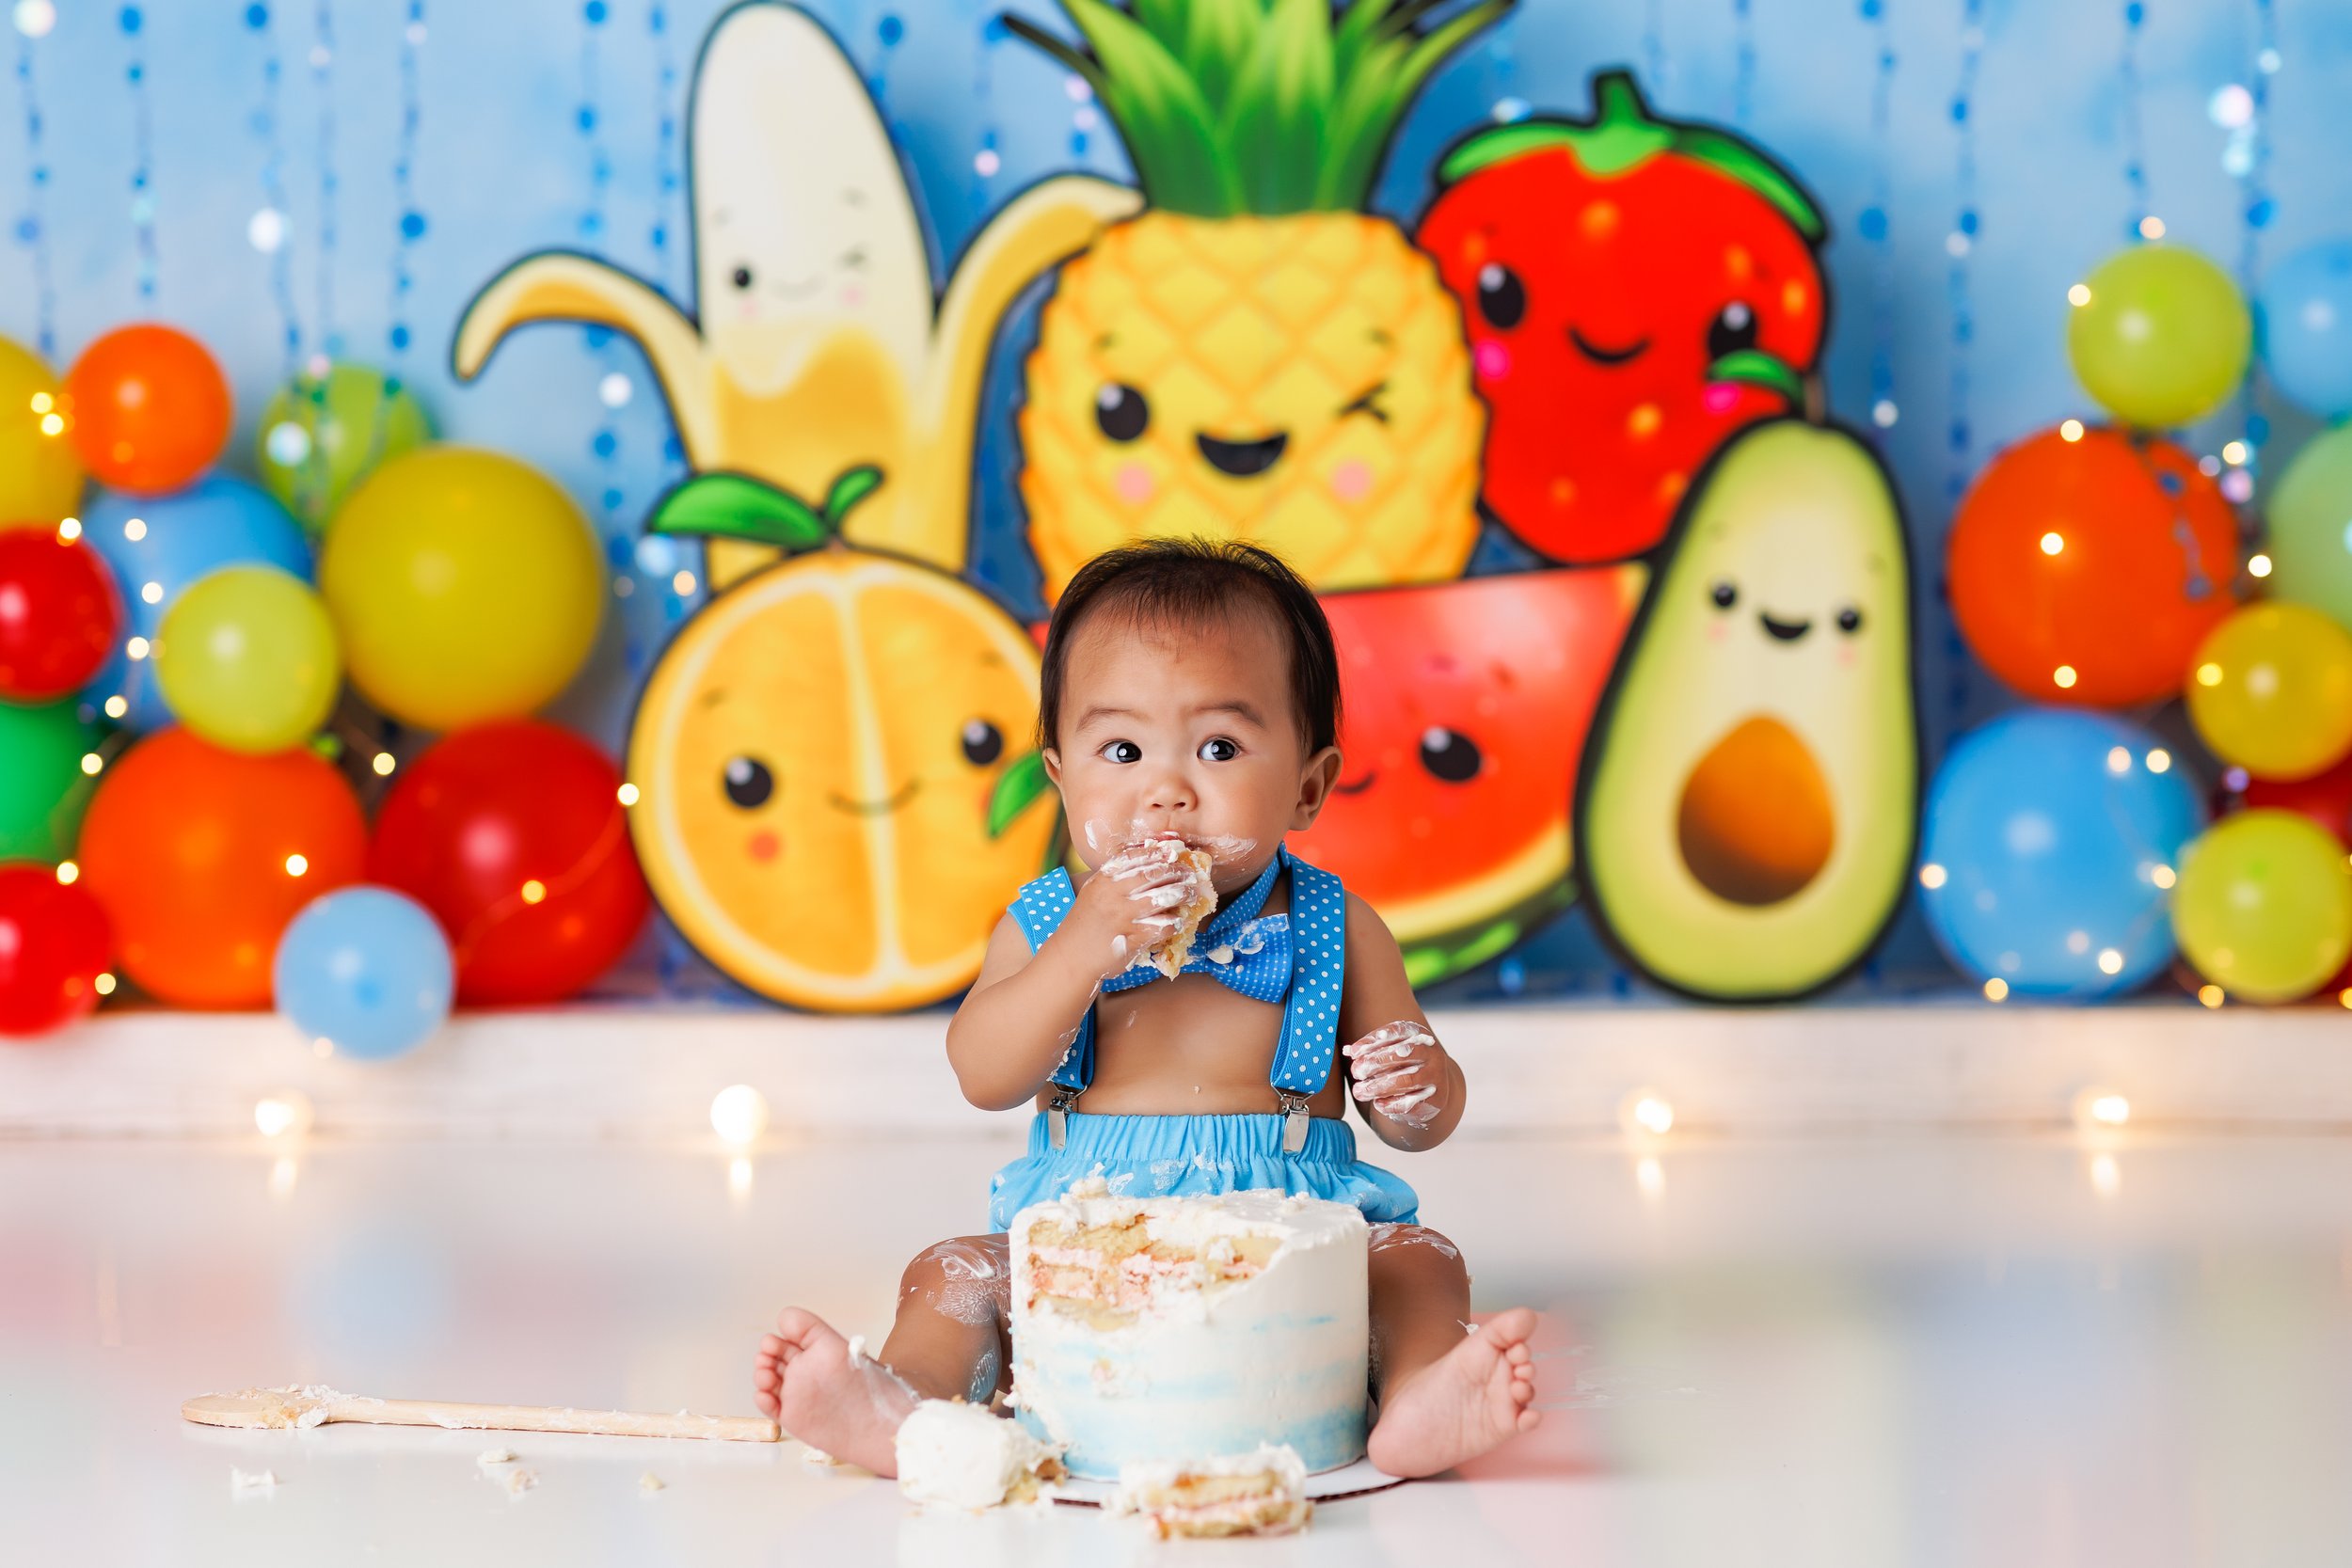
(1024, 1009)
(1409, 1090)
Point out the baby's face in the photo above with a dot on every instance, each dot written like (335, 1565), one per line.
(1189, 733)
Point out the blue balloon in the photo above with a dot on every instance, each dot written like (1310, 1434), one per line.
(2304, 311)
(366, 968)
(2049, 847)
(158, 546)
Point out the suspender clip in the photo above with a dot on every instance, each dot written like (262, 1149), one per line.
(1057, 1115)
(1294, 1120)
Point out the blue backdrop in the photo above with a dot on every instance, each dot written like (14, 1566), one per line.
(339, 176)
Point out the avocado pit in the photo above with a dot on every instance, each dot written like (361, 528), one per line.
(1754, 824)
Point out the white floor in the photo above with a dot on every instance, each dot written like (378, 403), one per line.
(1917, 1351)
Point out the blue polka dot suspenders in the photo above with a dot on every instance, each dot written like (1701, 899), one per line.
(1316, 931)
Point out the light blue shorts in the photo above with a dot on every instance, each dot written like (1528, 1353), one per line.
(1188, 1156)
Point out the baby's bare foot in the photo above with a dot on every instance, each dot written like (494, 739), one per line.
(1472, 1399)
(850, 1406)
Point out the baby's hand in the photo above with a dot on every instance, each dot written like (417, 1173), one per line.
(1400, 1068)
(1126, 905)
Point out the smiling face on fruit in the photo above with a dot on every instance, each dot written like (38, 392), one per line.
(1188, 731)
(1634, 292)
(791, 249)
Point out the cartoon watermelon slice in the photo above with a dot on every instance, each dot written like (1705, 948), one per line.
(1466, 705)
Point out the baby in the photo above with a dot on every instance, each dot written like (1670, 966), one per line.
(1189, 689)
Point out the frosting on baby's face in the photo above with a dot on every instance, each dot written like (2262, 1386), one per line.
(1189, 731)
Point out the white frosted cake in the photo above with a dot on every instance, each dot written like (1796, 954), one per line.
(1189, 1328)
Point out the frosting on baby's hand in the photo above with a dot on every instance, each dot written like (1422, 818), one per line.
(1398, 1069)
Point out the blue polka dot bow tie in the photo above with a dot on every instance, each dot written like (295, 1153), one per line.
(1243, 950)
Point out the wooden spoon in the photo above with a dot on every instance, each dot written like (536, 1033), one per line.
(314, 1405)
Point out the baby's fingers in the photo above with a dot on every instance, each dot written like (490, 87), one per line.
(1389, 1038)
(1416, 1109)
(1381, 1084)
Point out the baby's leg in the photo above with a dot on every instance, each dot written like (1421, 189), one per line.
(1447, 1390)
(949, 1343)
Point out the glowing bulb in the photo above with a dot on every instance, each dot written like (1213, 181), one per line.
(2069, 429)
(738, 1113)
(42, 402)
(2099, 1107)
(137, 647)
(2343, 996)
(2052, 543)
(135, 529)
(629, 795)
(2063, 677)
(2233, 453)
(321, 1048)
(117, 706)
(104, 985)
(34, 18)
(152, 592)
(2118, 760)
(2152, 227)
(534, 891)
(91, 763)
(2209, 674)
(2111, 962)
(2163, 876)
(2258, 565)
(67, 873)
(52, 424)
(70, 529)
(2210, 995)
(682, 584)
(2159, 760)
(384, 763)
(1997, 989)
(1931, 875)
(287, 1112)
(1646, 1111)
(296, 864)
(2079, 295)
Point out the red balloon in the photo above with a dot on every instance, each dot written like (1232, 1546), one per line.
(2085, 571)
(54, 944)
(513, 836)
(149, 408)
(2324, 798)
(58, 614)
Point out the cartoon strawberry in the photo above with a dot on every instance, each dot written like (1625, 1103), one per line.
(1466, 705)
(1635, 290)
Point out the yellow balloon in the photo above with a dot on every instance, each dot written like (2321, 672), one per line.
(40, 474)
(2159, 335)
(245, 658)
(2270, 689)
(2263, 907)
(467, 587)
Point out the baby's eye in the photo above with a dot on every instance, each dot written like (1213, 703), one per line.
(1219, 750)
(1121, 750)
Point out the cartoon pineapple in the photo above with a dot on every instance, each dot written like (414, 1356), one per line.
(1255, 355)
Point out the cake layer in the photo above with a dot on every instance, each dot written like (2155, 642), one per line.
(1181, 1329)
(1261, 1493)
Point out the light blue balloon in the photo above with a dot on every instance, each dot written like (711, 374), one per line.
(2304, 313)
(2050, 841)
(216, 522)
(366, 968)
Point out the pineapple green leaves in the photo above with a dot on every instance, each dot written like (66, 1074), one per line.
(1258, 106)
(737, 506)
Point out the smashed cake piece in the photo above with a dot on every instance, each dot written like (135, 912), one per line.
(1262, 1493)
(1169, 954)
(956, 1455)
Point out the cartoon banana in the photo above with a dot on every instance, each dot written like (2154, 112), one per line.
(817, 346)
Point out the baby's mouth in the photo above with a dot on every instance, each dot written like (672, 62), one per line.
(875, 808)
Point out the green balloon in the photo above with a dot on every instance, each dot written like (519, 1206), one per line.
(43, 790)
(2310, 527)
(247, 658)
(322, 435)
(2163, 337)
(2263, 907)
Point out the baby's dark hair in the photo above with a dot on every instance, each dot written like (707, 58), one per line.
(1186, 584)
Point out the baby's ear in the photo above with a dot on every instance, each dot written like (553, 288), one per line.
(1314, 787)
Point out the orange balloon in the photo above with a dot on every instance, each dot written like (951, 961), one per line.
(202, 855)
(149, 408)
(2087, 571)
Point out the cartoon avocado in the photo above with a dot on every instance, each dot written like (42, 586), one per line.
(1746, 815)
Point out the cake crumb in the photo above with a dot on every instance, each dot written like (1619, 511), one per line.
(490, 1457)
(650, 1483)
(815, 1456)
(242, 1481)
(520, 1479)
